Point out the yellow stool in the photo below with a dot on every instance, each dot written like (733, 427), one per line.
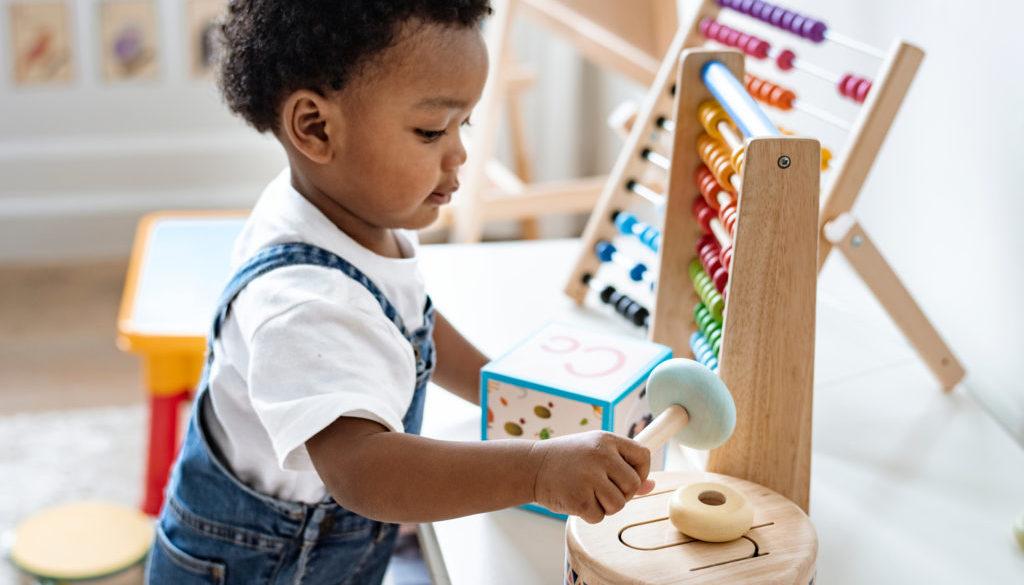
(75, 542)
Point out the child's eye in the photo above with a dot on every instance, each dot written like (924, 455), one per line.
(430, 135)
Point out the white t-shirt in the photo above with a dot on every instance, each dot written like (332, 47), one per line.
(304, 345)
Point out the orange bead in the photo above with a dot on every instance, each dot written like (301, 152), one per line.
(770, 93)
(717, 159)
(711, 115)
(708, 186)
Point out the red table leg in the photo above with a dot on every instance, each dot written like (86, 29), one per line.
(163, 447)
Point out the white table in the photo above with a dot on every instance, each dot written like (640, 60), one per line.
(909, 485)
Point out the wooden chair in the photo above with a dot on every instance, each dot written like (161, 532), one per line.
(629, 38)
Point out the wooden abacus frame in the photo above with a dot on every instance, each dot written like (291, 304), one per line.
(837, 226)
(767, 354)
(600, 29)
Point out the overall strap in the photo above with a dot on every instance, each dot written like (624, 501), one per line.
(291, 254)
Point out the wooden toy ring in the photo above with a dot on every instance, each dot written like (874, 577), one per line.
(710, 511)
(691, 402)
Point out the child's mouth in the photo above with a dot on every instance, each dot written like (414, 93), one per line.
(440, 198)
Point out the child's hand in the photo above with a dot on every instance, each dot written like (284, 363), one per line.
(590, 475)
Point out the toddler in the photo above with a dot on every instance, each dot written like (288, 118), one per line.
(302, 452)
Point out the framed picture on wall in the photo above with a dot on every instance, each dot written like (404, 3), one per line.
(128, 40)
(40, 38)
(203, 18)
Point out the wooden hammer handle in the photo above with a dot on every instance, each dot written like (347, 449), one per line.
(661, 429)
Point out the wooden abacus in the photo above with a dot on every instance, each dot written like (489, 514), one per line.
(837, 226)
(630, 38)
(766, 360)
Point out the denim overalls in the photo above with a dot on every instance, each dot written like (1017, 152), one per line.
(215, 529)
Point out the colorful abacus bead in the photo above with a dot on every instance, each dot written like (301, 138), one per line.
(629, 225)
(712, 192)
(727, 257)
(709, 327)
(716, 156)
(854, 87)
(703, 213)
(803, 26)
(706, 290)
(784, 60)
(730, 37)
(607, 252)
(702, 351)
(711, 115)
(729, 215)
(770, 93)
(623, 304)
(709, 253)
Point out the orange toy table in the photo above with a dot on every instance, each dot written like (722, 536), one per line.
(180, 263)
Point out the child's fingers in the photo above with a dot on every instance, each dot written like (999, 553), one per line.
(624, 477)
(637, 456)
(645, 488)
(592, 512)
(610, 498)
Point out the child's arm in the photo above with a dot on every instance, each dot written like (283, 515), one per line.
(397, 477)
(458, 361)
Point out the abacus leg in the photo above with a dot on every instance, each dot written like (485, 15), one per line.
(849, 237)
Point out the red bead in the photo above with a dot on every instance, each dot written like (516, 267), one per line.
(697, 205)
(703, 242)
(720, 278)
(727, 258)
(785, 59)
(704, 217)
(863, 88)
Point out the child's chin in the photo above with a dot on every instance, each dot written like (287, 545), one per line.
(424, 218)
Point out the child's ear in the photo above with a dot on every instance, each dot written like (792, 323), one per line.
(308, 120)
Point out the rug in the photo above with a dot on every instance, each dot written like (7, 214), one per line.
(88, 454)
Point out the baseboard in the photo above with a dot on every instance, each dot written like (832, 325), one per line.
(86, 226)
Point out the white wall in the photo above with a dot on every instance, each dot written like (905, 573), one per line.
(80, 163)
(944, 201)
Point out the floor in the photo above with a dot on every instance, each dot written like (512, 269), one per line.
(57, 339)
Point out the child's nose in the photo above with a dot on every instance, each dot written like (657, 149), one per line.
(454, 158)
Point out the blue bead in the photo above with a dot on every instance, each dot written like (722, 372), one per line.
(605, 250)
(625, 223)
(637, 272)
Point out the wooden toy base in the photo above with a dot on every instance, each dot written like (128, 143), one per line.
(640, 546)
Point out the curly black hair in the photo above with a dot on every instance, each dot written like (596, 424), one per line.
(274, 47)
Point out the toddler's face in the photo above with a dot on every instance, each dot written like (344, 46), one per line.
(401, 148)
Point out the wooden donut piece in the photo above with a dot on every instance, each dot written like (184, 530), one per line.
(710, 511)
